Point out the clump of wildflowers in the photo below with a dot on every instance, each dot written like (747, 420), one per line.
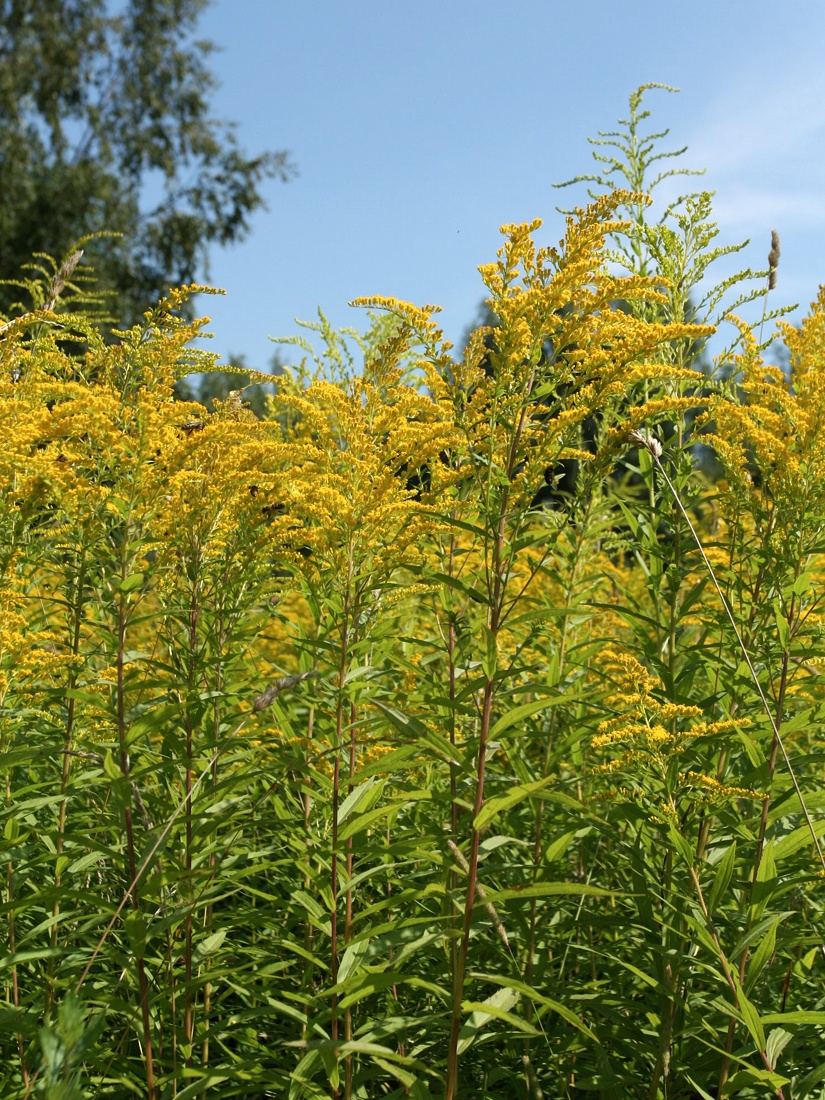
(652, 735)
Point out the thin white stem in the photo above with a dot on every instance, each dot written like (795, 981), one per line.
(654, 448)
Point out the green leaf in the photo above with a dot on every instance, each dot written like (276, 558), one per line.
(504, 802)
(783, 630)
(361, 798)
(682, 846)
(495, 1005)
(459, 585)
(135, 928)
(803, 1089)
(357, 673)
(799, 1017)
(208, 946)
(152, 720)
(533, 994)
(549, 890)
(777, 1041)
(749, 1078)
(130, 583)
(351, 959)
(525, 710)
(761, 956)
(364, 821)
(489, 659)
(416, 731)
(406, 1078)
(207, 1081)
(558, 847)
(111, 769)
(721, 882)
(750, 1018)
(309, 904)
(800, 838)
(802, 583)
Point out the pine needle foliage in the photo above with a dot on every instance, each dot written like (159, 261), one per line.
(341, 762)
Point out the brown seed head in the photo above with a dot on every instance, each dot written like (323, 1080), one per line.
(59, 281)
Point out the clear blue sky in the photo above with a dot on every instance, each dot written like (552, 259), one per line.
(419, 126)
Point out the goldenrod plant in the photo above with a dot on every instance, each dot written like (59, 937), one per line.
(452, 729)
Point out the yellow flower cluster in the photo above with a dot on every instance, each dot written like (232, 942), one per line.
(364, 469)
(30, 657)
(779, 427)
(717, 790)
(652, 733)
(560, 351)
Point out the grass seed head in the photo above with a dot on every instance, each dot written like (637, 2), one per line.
(773, 259)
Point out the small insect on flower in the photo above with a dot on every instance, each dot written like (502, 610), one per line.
(649, 442)
(268, 697)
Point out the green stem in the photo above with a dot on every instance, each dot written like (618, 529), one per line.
(130, 836)
(77, 618)
(336, 794)
(461, 966)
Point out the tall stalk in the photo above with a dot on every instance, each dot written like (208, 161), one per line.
(336, 794)
(15, 987)
(216, 734)
(530, 1076)
(472, 877)
(125, 768)
(775, 719)
(76, 621)
(451, 684)
(192, 646)
(348, 902)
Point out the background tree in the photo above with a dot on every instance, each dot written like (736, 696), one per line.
(105, 125)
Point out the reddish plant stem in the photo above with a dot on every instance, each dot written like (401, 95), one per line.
(733, 985)
(15, 989)
(77, 612)
(306, 801)
(188, 1009)
(216, 728)
(130, 840)
(760, 847)
(336, 794)
(348, 911)
(472, 875)
(496, 587)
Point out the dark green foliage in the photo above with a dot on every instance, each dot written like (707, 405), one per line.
(106, 126)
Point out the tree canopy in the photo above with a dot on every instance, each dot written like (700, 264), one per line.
(106, 126)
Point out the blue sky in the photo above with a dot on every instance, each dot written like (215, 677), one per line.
(420, 127)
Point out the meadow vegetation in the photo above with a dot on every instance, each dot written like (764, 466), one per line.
(453, 729)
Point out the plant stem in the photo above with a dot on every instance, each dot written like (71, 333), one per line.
(778, 737)
(451, 674)
(15, 989)
(130, 837)
(461, 964)
(733, 985)
(348, 904)
(77, 618)
(216, 733)
(188, 1010)
(336, 787)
